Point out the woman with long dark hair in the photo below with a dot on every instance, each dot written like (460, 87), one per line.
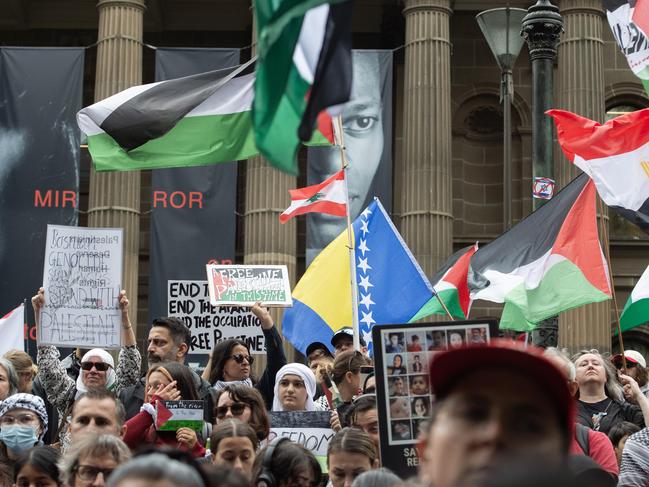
(168, 381)
(245, 404)
(37, 466)
(231, 361)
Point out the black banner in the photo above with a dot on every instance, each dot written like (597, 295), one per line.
(40, 95)
(193, 219)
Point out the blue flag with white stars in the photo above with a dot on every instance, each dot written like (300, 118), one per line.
(392, 287)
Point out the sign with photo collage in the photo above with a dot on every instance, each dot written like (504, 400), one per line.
(402, 354)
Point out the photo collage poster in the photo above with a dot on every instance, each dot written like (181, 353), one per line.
(406, 355)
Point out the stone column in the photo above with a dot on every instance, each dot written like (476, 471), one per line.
(426, 201)
(114, 199)
(265, 239)
(581, 90)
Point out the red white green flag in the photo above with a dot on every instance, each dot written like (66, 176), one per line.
(450, 284)
(548, 263)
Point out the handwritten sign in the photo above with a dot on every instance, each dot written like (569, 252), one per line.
(244, 285)
(173, 415)
(190, 301)
(82, 277)
(311, 429)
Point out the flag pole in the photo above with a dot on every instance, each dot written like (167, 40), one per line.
(338, 131)
(443, 305)
(610, 273)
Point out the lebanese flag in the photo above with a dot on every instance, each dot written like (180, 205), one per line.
(12, 330)
(548, 263)
(450, 284)
(326, 197)
(615, 155)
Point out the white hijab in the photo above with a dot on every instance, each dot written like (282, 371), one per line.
(106, 358)
(307, 376)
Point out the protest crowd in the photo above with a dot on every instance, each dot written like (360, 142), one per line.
(503, 414)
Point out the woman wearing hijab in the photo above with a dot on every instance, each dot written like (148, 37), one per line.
(97, 366)
(294, 389)
(23, 423)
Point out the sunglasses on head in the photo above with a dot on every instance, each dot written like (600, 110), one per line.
(239, 358)
(237, 409)
(100, 366)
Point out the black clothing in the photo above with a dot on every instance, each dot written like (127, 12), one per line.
(608, 413)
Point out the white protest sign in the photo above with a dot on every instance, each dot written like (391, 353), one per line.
(190, 301)
(311, 429)
(244, 285)
(82, 278)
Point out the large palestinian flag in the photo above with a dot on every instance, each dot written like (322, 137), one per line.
(450, 284)
(615, 155)
(549, 262)
(305, 66)
(192, 121)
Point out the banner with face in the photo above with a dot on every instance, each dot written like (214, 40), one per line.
(367, 132)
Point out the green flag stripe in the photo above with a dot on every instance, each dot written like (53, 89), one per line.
(433, 307)
(563, 287)
(190, 143)
(634, 314)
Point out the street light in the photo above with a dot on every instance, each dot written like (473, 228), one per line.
(501, 28)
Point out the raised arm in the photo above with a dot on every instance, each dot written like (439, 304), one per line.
(275, 358)
(128, 364)
(59, 387)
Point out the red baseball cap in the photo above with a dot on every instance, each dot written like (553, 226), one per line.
(448, 368)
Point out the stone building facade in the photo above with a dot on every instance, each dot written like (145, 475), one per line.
(447, 180)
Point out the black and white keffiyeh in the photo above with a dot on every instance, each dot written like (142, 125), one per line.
(634, 470)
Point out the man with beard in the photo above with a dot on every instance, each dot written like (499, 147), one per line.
(169, 341)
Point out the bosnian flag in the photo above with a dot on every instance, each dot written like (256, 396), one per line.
(327, 197)
(451, 286)
(615, 155)
(12, 330)
(548, 263)
(636, 310)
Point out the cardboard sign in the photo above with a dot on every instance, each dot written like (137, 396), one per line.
(404, 400)
(311, 429)
(173, 415)
(244, 285)
(190, 301)
(82, 278)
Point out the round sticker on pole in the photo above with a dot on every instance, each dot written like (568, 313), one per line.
(543, 188)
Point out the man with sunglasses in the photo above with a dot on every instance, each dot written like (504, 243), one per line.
(169, 341)
(98, 371)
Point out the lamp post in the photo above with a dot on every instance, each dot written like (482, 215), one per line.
(541, 29)
(501, 28)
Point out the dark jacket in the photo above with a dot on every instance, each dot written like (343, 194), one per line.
(133, 397)
(275, 360)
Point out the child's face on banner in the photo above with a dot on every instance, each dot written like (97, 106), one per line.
(363, 134)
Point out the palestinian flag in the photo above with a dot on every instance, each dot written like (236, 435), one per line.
(192, 121)
(327, 197)
(615, 155)
(305, 66)
(548, 263)
(629, 21)
(450, 284)
(636, 310)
